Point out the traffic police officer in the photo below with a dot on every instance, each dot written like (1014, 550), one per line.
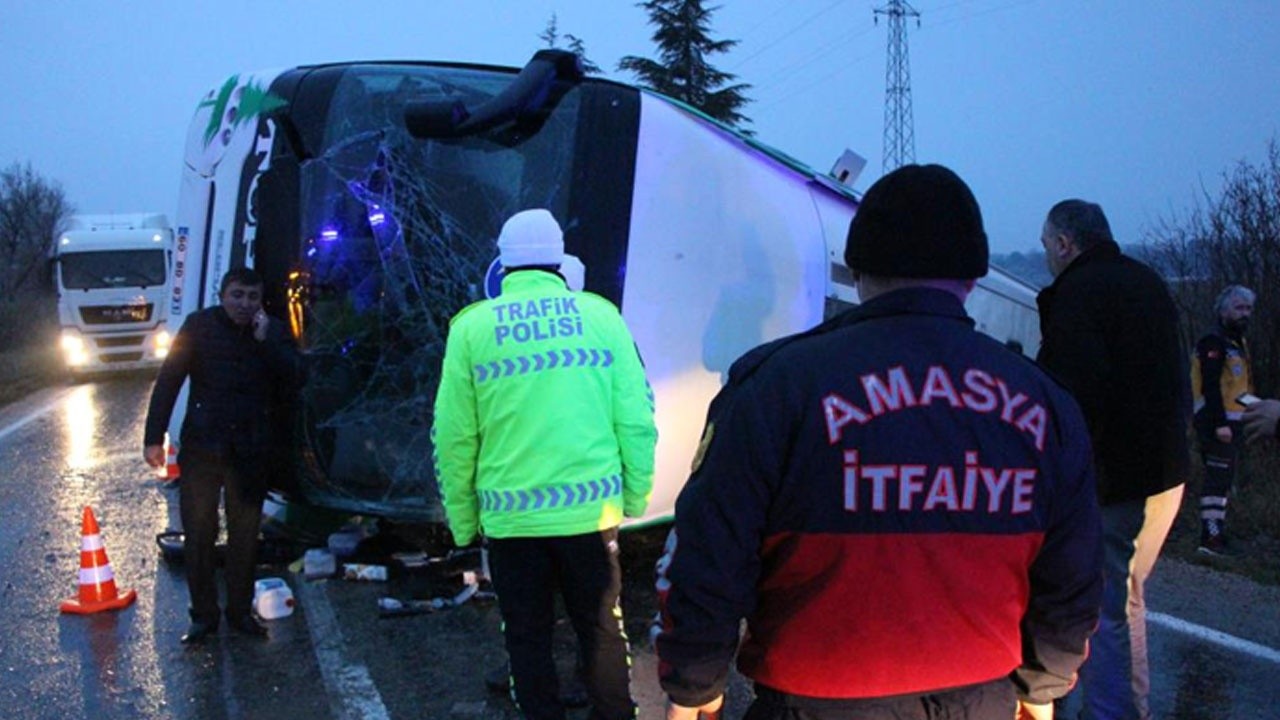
(544, 440)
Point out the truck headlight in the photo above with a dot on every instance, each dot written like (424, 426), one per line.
(162, 342)
(74, 350)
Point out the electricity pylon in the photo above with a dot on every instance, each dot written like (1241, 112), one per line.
(899, 130)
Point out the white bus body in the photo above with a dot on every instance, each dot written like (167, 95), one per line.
(372, 232)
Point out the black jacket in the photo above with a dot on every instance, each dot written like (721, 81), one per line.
(1110, 333)
(233, 379)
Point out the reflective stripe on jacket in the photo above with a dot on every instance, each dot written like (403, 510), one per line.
(544, 419)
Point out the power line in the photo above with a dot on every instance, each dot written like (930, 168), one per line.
(819, 54)
(944, 8)
(793, 91)
(787, 34)
(783, 6)
(980, 13)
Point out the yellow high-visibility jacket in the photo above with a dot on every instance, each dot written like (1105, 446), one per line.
(1219, 375)
(544, 420)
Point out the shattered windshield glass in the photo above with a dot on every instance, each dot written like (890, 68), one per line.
(112, 269)
(398, 234)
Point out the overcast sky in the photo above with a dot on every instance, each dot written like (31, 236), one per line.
(1136, 104)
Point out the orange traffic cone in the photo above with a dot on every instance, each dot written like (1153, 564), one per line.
(171, 470)
(97, 582)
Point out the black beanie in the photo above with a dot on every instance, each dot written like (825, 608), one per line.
(919, 221)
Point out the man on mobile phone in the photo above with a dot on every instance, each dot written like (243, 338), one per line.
(233, 355)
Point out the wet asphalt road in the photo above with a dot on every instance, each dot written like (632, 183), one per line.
(1215, 638)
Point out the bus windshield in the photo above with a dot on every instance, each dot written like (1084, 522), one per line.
(397, 235)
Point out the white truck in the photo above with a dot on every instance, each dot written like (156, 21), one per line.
(111, 273)
(370, 195)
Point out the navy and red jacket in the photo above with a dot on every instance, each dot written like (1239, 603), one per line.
(896, 504)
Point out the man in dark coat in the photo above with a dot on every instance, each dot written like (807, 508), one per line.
(235, 357)
(1110, 333)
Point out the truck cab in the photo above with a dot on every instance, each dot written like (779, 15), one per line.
(111, 273)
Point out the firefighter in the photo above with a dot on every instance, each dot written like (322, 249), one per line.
(901, 508)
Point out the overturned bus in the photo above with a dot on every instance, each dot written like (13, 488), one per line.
(370, 196)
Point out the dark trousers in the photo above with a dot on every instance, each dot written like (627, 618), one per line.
(584, 568)
(1220, 460)
(994, 700)
(208, 478)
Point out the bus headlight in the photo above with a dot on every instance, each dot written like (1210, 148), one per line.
(73, 349)
(162, 342)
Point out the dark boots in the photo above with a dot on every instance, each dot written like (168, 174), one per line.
(1213, 538)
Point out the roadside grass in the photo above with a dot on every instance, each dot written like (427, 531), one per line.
(1253, 518)
(27, 369)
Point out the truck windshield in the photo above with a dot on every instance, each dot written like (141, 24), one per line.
(397, 235)
(112, 269)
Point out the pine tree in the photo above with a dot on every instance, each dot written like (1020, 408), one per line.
(683, 72)
(551, 33)
(551, 36)
(578, 47)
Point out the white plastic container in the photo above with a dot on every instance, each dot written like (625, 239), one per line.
(272, 599)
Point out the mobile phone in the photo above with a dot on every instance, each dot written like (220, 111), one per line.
(1247, 399)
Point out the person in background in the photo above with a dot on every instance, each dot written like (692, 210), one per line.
(1220, 375)
(234, 356)
(1110, 334)
(901, 508)
(546, 461)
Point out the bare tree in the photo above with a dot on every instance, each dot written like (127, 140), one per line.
(1233, 238)
(32, 210)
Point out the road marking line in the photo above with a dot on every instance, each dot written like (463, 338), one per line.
(25, 420)
(352, 693)
(1247, 647)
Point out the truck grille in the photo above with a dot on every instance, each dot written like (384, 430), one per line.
(115, 314)
(116, 341)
